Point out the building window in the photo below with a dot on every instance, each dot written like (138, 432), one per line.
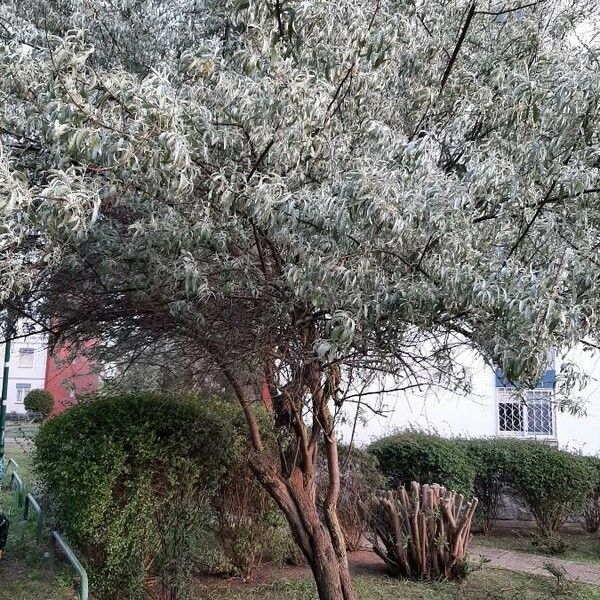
(26, 357)
(22, 391)
(530, 413)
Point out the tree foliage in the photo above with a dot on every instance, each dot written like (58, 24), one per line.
(284, 159)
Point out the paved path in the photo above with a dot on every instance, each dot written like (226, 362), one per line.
(522, 562)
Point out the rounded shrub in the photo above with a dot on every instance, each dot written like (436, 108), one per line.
(590, 513)
(554, 484)
(39, 401)
(130, 479)
(415, 456)
(491, 460)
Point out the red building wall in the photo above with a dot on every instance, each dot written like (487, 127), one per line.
(68, 377)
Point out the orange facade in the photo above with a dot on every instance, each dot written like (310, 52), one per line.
(68, 377)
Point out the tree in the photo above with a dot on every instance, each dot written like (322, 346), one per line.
(302, 196)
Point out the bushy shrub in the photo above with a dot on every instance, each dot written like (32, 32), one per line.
(283, 549)
(490, 459)
(248, 526)
(552, 544)
(131, 480)
(39, 401)
(590, 513)
(554, 484)
(416, 456)
(242, 509)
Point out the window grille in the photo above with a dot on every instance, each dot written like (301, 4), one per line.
(22, 390)
(531, 413)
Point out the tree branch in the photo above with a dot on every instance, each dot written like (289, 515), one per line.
(459, 43)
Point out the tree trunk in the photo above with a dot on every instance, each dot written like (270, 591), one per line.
(319, 544)
(290, 481)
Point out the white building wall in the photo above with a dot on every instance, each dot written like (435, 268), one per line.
(452, 414)
(582, 433)
(27, 369)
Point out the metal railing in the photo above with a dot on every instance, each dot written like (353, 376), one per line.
(12, 461)
(83, 578)
(31, 502)
(16, 479)
(4, 468)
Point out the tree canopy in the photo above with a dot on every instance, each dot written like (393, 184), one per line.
(387, 166)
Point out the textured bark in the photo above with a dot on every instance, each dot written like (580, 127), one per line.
(318, 537)
(291, 480)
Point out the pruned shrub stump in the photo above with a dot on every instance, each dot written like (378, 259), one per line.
(424, 533)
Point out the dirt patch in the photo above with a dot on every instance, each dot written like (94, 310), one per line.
(361, 563)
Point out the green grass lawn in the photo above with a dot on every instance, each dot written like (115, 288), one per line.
(489, 584)
(24, 573)
(581, 546)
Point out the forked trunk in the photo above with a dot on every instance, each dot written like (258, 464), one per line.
(331, 576)
(329, 564)
(290, 481)
(318, 538)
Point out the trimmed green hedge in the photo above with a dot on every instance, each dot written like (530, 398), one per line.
(39, 401)
(416, 456)
(491, 459)
(553, 484)
(130, 479)
(590, 513)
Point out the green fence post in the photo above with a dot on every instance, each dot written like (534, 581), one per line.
(83, 591)
(15, 479)
(4, 395)
(30, 501)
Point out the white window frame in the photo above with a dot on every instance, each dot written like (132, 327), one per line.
(506, 395)
(30, 354)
